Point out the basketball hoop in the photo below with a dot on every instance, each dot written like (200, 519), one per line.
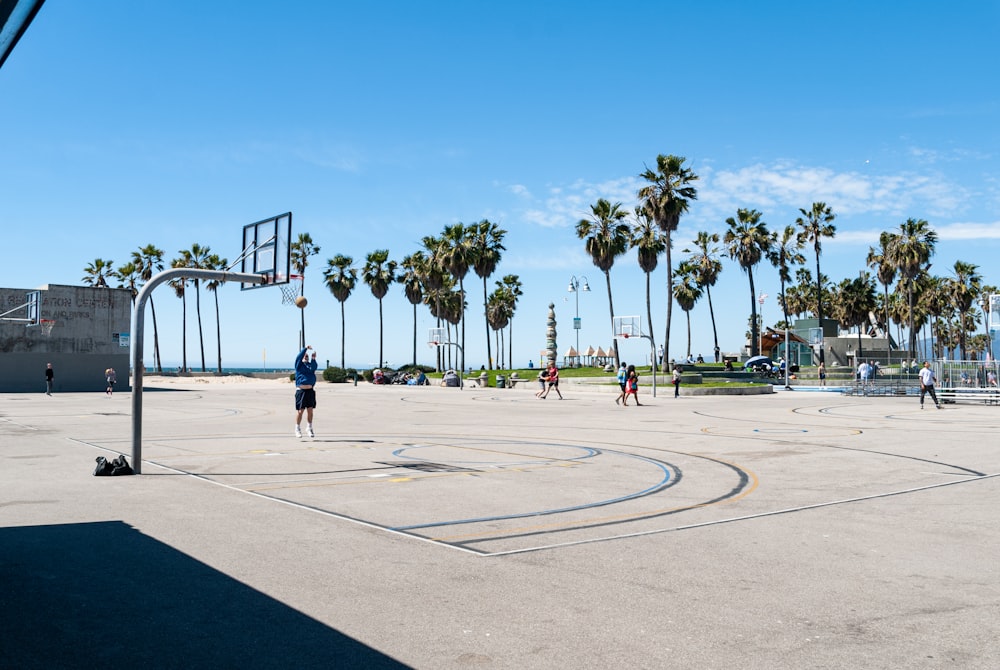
(291, 290)
(625, 335)
(46, 326)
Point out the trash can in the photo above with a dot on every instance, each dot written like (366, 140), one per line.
(501, 382)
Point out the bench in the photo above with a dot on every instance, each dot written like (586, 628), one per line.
(482, 381)
(514, 381)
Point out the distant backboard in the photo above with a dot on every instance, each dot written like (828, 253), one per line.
(994, 322)
(267, 250)
(627, 326)
(437, 337)
(33, 307)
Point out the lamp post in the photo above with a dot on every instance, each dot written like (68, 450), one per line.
(575, 287)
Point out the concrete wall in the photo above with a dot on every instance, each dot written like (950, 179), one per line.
(91, 334)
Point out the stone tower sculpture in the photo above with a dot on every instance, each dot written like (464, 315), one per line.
(550, 334)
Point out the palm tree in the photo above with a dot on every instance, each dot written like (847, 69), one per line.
(300, 251)
(816, 224)
(379, 273)
(195, 258)
(686, 293)
(963, 288)
(747, 241)
(984, 304)
(498, 314)
(414, 266)
(910, 251)
(785, 251)
(149, 260)
(667, 196)
(855, 301)
(96, 274)
(457, 255)
(487, 245)
(649, 244)
(606, 237)
(213, 262)
(180, 290)
(340, 278)
(512, 291)
(886, 273)
(705, 259)
(128, 276)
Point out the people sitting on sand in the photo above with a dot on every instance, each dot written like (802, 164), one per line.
(378, 377)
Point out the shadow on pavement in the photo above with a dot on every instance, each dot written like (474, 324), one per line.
(104, 595)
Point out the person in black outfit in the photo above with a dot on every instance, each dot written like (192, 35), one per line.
(49, 374)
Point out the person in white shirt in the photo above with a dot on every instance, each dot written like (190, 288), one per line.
(927, 385)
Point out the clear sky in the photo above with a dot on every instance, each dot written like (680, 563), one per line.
(125, 123)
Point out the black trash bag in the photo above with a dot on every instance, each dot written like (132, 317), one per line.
(117, 467)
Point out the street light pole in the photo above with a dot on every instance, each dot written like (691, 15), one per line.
(575, 287)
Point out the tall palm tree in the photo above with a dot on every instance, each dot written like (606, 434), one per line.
(817, 223)
(487, 245)
(180, 290)
(413, 267)
(498, 314)
(457, 255)
(910, 253)
(195, 258)
(149, 260)
(379, 273)
(705, 259)
(606, 237)
(686, 293)
(512, 291)
(301, 250)
(433, 276)
(885, 271)
(855, 301)
(784, 252)
(96, 274)
(128, 277)
(214, 262)
(747, 241)
(649, 243)
(340, 278)
(668, 195)
(963, 288)
(984, 305)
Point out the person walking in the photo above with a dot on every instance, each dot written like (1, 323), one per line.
(49, 374)
(622, 381)
(111, 378)
(305, 391)
(676, 380)
(822, 373)
(632, 386)
(553, 381)
(927, 385)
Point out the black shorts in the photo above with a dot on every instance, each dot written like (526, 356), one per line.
(305, 398)
(622, 384)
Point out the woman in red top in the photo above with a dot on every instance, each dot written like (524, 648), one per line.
(553, 380)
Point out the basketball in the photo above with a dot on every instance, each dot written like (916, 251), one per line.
(301, 302)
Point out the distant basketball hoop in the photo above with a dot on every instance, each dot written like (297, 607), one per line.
(291, 290)
(46, 326)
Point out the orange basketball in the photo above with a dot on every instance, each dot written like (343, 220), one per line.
(301, 302)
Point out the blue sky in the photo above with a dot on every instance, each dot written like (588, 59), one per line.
(129, 123)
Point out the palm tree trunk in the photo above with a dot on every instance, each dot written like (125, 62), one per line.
(201, 332)
(302, 314)
(156, 339)
(649, 320)
(688, 313)
(670, 302)
(819, 307)
(343, 332)
(218, 332)
(486, 318)
(754, 350)
(381, 358)
(611, 307)
(184, 334)
(715, 333)
(414, 333)
(461, 290)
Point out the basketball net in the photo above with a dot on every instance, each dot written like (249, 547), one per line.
(291, 290)
(46, 326)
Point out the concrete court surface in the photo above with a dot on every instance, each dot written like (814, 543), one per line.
(484, 528)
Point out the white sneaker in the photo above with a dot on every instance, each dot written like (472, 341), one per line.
(311, 433)
(298, 432)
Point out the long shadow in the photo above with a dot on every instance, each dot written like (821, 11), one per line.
(103, 595)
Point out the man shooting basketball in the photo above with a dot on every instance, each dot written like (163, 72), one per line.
(305, 392)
